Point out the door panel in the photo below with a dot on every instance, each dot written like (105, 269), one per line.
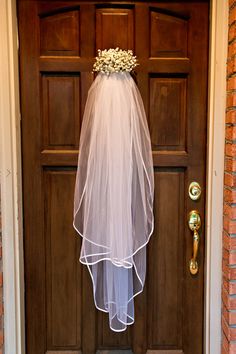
(58, 42)
(59, 33)
(165, 292)
(168, 121)
(63, 271)
(168, 34)
(108, 20)
(60, 116)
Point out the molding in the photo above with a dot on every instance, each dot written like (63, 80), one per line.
(215, 173)
(11, 194)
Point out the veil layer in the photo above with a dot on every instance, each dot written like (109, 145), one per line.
(113, 205)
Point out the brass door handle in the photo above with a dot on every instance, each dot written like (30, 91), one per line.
(194, 223)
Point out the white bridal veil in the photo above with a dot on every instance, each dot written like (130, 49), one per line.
(114, 194)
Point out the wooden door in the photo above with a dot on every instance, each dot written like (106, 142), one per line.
(58, 42)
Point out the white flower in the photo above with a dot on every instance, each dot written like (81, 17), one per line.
(115, 60)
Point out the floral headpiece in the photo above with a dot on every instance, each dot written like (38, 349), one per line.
(114, 61)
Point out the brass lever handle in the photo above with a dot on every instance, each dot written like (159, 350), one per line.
(194, 223)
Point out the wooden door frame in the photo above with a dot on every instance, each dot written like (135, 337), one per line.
(11, 183)
(218, 46)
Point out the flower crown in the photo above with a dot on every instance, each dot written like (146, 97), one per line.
(114, 61)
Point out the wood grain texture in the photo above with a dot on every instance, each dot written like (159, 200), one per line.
(165, 292)
(108, 21)
(63, 271)
(59, 115)
(169, 34)
(63, 352)
(168, 121)
(58, 41)
(59, 33)
(106, 338)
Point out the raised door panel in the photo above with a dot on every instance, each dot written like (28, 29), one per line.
(61, 111)
(168, 112)
(168, 34)
(59, 33)
(165, 262)
(63, 271)
(114, 28)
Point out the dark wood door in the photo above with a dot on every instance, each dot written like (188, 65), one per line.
(58, 42)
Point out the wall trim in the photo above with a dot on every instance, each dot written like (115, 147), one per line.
(218, 42)
(11, 193)
(11, 182)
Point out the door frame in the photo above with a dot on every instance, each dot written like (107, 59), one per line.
(11, 181)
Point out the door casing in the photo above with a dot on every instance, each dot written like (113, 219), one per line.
(11, 190)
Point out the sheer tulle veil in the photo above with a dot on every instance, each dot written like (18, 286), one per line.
(113, 205)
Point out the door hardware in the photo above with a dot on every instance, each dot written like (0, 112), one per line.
(194, 223)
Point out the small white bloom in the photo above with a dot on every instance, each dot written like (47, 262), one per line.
(115, 60)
